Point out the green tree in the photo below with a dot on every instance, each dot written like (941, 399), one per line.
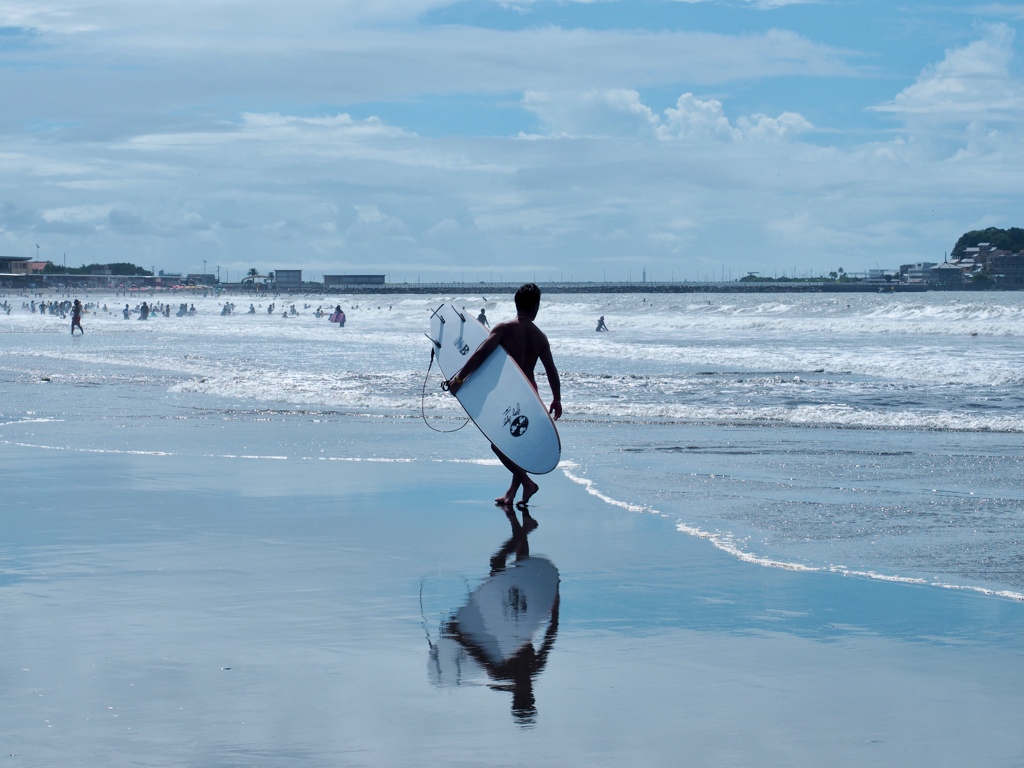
(117, 268)
(1005, 239)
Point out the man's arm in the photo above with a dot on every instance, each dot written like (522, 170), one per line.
(475, 360)
(553, 381)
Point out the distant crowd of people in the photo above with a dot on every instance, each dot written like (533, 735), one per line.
(145, 310)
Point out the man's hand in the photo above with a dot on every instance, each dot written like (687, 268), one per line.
(453, 384)
(556, 409)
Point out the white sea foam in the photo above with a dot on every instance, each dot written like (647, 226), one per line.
(593, 491)
(727, 542)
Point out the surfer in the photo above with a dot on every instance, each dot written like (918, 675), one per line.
(482, 319)
(526, 344)
(76, 317)
(600, 324)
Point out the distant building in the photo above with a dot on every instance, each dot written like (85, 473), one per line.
(288, 278)
(948, 273)
(882, 276)
(1004, 268)
(354, 279)
(919, 272)
(14, 265)
(1007, 268)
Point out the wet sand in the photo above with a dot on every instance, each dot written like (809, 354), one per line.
(169, 596)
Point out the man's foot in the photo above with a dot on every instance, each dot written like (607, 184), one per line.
(529, 488)
(504, 501)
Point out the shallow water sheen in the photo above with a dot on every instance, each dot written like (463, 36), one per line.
(874, 434)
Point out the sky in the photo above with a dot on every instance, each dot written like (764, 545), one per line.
(522, 140)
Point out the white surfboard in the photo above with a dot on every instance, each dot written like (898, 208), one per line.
(498, 397)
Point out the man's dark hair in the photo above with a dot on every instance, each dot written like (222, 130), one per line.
(528, 298)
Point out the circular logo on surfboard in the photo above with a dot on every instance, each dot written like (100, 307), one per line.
(518, 426)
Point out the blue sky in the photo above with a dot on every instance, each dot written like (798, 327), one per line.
(478, 140)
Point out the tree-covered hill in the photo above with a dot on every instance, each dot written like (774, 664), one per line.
(1011, 239)
(119, 268)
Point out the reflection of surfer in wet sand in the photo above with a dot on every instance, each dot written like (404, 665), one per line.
(526, 344)
(601, 326)
(497, 624)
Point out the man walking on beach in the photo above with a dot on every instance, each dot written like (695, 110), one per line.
(76, 317)
(526, 344)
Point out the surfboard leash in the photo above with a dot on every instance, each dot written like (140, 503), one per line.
(423, 400)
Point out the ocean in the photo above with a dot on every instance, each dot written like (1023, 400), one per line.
(872, 435)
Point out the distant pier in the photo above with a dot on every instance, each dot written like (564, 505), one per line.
(492, 288)
(143, 284)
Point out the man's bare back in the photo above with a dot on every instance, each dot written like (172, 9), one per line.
(525, 343)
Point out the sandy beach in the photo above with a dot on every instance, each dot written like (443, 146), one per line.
(176, 588)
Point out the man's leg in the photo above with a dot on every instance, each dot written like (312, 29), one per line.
(519, 479)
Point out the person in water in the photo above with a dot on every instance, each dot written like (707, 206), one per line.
(482, 318)
(600, 324)
(526, 344)
(76, 317)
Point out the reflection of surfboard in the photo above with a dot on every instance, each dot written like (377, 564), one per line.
(507, 610)
(498, 397)
(502, 616)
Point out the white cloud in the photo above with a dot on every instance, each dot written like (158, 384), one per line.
(694, 118)
(369, 214)
(593, 112)
(764, 128)
(620, 112)
(273, 128)
(146, 69)
(59, 17)
(77, 214)
(445, 228)
(768, 5)
(1007, 10)
(207, 19)
(972, 82)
